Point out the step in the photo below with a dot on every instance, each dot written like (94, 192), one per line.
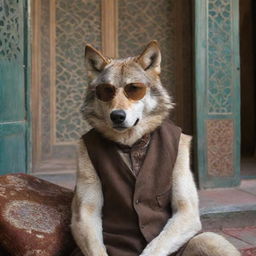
(219, 208)
(229, 207)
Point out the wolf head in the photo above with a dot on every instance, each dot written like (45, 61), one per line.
(125, 98)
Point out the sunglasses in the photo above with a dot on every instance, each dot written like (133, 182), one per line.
(134, 91)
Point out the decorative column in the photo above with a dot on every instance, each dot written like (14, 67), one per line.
(217, 81)
(14, 86)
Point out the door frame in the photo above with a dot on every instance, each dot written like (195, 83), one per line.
(28, 85)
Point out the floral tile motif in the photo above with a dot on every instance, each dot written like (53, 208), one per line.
(11, 25)
(219, 57)
(142, 21)
(220, 143)
(78, 21)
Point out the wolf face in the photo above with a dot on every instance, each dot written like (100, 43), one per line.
(125, 98)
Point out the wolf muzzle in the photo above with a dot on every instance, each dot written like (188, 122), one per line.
(118, 116)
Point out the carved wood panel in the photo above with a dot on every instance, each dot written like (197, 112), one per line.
(77, 22)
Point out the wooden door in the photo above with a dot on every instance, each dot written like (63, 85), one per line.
(118, 29)
(14, 132)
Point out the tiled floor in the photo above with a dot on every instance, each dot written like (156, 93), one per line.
(238, 199)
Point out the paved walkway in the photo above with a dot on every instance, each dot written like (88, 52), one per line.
(237, 221)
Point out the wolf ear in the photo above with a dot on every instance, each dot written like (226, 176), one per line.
(94, 60)
(150, 59)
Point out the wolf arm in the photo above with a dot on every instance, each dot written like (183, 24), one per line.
(86, 223)
(185, 222)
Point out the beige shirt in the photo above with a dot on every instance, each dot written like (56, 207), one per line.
(134, 156)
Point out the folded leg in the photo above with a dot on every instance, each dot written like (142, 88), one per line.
(209, 244)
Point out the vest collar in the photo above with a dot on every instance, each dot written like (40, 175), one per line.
(140, 144)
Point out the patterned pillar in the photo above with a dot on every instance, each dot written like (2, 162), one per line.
(217, 84)
(14, 87)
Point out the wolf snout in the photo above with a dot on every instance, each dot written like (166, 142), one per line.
(118, 116)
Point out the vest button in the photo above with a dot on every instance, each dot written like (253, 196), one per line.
(137, 201)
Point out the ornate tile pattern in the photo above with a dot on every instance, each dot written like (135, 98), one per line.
(219, 57)
(77, 21)
(220, 144)
(11, 25)
(142, 21)
(45, 76)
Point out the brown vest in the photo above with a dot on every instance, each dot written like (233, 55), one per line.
(135, 209)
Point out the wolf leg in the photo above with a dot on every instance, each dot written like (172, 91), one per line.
(210, 244)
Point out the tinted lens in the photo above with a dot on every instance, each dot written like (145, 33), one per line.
(105, 92)
(135, 91)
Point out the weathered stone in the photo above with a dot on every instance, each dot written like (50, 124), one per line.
(34, 217)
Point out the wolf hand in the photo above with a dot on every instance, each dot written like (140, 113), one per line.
(151, 249)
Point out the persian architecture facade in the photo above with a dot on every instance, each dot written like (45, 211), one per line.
(43, 41)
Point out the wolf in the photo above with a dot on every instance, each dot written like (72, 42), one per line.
(118, 208)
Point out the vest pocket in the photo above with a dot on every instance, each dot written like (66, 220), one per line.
(164, 199)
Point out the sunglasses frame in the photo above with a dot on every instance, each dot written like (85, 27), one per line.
(132, 94)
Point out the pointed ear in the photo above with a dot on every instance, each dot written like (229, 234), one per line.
(150, 59)
(94, 60)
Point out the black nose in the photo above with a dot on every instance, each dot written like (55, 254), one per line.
(117, 116)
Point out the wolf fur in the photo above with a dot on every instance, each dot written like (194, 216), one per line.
(142, 117)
